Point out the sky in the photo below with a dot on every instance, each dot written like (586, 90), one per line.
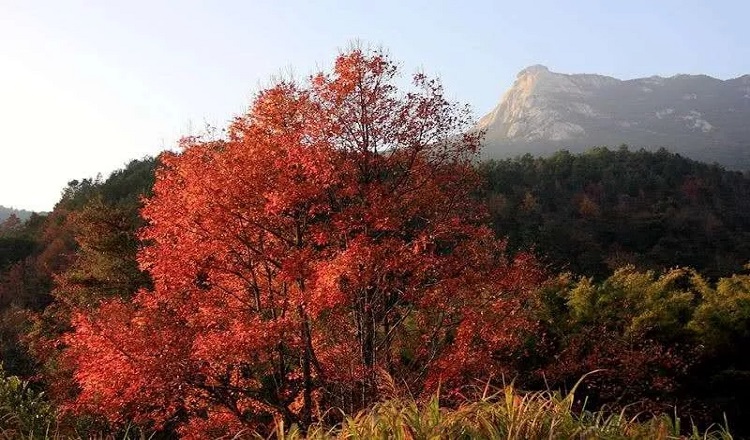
(86, 86)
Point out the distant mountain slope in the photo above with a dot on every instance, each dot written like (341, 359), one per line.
(701, 117)
(594, 212)
(6, 212)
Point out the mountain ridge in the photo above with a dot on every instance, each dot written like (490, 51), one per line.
(702, 117)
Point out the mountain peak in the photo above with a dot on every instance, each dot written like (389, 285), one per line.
(532, 70)
(697, 115)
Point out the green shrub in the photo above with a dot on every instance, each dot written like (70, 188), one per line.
(24, 412)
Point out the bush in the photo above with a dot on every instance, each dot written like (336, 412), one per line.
(24, 412)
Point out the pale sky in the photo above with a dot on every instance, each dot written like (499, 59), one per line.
(85, 86)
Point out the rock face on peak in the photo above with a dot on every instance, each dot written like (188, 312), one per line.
(695, 115)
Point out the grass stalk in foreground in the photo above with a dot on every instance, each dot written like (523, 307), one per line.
(507, 414)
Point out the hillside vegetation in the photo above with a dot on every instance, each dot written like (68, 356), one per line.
(591, 213)
(332, 273)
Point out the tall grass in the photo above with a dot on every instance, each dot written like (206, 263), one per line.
(507, 414)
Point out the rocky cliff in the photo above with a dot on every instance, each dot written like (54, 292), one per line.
(695, 115)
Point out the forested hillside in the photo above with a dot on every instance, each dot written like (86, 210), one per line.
(591, 213)
(94, 222)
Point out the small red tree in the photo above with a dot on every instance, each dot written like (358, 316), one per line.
(332, 234)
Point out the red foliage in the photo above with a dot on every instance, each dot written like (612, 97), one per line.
(331, 235)
(640, 372)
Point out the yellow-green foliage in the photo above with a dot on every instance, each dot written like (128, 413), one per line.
(508, 414)
(724, 313)
(676, 303)
(23, 411)
(636, 302)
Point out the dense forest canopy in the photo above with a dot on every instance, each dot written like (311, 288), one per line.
(591, 213)
(341, 245)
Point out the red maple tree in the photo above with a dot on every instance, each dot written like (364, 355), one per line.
(332, 235)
